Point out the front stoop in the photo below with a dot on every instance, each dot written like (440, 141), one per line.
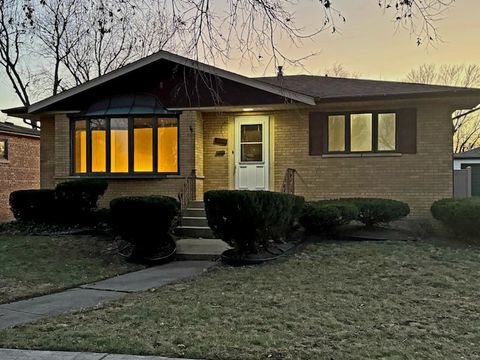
(194, 222)
(196, 240)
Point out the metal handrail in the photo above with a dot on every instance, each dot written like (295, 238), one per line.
(288, 185)
(188, 192)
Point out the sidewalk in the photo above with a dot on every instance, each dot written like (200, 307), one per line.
(12, 354)
(93, 294)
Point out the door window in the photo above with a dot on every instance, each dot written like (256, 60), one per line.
(251, 143)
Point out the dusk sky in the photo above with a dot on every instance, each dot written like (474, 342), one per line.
(368, 44)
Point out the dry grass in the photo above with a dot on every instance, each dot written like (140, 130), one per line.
(35, 265)
(351, 300)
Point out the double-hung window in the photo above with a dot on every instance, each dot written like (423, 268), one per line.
(132, 145)
(364, 132)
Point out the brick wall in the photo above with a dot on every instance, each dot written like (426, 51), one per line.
(418, 179)
(59, 150)
(20, 171)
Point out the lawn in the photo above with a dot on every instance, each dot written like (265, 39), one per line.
(345, 300)
(35, 265)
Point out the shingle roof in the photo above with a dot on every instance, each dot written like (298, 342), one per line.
(7, 127)
(471, 154)
(333, 88)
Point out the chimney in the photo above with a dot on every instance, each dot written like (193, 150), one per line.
(279, 71)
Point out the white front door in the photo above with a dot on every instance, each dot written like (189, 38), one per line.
(251, 152)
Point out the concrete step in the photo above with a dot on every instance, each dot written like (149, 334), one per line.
(194, 221)
(194, 212)
(204, 249)
(194, 231)
(197, 204)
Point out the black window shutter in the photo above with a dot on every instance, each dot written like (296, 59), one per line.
(407, 131)
(317, 132)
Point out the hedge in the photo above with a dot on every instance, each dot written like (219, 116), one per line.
(33, 205)
(325, 216)
(462, 216)
(144, 221)
(248, 220)
(374, 211)
(77, 199)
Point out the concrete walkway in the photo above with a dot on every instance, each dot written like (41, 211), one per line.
(93, 294)
(12, 354)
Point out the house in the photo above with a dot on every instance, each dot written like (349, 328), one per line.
(19, 163)
(169, 125)
(469, 159)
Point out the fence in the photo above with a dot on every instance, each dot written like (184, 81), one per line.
(462, 183)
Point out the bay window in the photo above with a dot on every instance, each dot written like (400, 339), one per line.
(361, 132)
(125, 145)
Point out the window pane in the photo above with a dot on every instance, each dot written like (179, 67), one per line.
(386, 132)
(167, 145)
(142, 145)
(336, 133)
(252, 152)
(3, 149)
(98, 128)
(361, 132)
(119, 145)
(251, 133)
(80, 146)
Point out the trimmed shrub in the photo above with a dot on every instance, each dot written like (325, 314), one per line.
(144, 221)
(325, 216)
(77, 199)
(33, 205)
(373, 211)
(248, 220)
(461, 216)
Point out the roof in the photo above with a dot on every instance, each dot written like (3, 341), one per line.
(325, 88)
(306, 89)
(10, 128)
(471, 154)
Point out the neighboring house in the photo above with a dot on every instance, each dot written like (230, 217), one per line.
(470, 159)
(19, 163)
(146, 126)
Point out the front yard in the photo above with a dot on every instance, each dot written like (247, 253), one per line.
(344, 300)
(36, 265)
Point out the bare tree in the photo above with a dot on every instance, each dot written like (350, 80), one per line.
(338, 70)
(466, 123)
(76, 40)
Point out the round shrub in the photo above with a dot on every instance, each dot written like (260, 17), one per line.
(248, 220)
(77, 199)
(324, 216)
(33, 205)
(461, 216)
(373, 211)
(144, 221)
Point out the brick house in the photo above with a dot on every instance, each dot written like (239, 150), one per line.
(148, 125)
(19, 163)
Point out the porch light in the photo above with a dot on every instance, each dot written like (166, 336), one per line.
(247, 109)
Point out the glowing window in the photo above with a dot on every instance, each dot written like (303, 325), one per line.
(119, 145)
(167, 129)
(98, 127)
(386, 132)
(361, 132)
(336, 133)
(143, 145)
(80, 146)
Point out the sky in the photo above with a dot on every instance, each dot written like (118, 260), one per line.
(367, 43)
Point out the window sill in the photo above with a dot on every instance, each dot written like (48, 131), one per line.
(358, 155)
(121, 177)
(4, 161)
